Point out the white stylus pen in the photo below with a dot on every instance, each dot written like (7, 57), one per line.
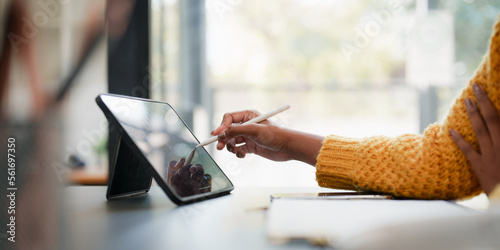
(254, 120)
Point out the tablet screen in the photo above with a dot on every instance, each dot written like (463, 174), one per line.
(165, 141)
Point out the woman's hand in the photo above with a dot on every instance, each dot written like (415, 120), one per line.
(265, 139)
(486, 126)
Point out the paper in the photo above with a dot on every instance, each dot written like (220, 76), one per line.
(340, 220)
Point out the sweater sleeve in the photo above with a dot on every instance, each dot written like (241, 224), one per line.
(427, 166)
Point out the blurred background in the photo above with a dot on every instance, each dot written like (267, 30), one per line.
(351, 68)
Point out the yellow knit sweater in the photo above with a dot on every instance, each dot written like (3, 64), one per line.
(428, 166)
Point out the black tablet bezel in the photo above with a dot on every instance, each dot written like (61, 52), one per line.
(125, 138)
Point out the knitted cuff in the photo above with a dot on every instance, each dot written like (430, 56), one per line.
(335, 162)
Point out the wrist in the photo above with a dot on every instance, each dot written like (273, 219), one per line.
(302, 146)
(287, 136)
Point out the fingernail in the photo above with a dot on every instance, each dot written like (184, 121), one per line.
(453, 133)
(469, 104)
(220, 146)
(212, 133)
(230, 148)
(222, 136)
(478, 91)
(239, 155)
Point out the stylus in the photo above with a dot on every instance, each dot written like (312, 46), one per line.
(254, 120)
(189, 158)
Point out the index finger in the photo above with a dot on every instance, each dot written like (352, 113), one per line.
(489, 113)
(235, 117)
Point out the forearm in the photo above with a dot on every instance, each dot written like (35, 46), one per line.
(303, 146)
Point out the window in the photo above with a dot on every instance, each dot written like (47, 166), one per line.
(351, 68)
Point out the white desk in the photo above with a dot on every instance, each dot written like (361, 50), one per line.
(235, 221)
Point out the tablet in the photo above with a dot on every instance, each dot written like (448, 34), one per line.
(153, 144)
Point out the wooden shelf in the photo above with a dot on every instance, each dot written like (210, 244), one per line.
(84, 177)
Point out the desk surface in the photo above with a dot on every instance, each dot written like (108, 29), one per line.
(235, 221)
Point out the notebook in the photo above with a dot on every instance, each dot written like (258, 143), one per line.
(337, 221)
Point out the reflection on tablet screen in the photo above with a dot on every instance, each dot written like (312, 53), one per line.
(165, 141)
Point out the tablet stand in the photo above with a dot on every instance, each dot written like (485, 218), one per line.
(128, 176)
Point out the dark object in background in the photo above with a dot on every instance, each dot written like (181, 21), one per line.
(128, 53)
(75, 161)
